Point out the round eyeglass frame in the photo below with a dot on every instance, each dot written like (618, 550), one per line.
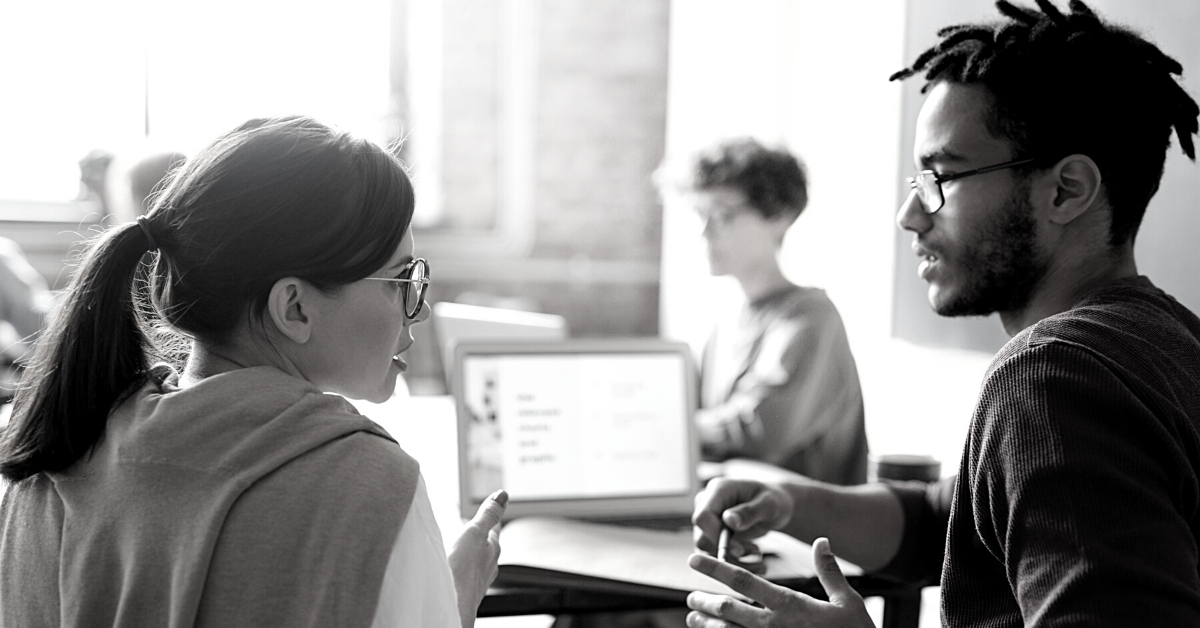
(417, 278)
(928, 184)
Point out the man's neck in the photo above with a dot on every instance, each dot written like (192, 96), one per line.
(1066, 283)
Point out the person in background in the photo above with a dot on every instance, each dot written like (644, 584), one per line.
(1077, 503)
(778, 382)
(24, 302)
(235, 491)
(146, 175)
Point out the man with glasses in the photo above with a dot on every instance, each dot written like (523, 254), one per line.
(1077, 502)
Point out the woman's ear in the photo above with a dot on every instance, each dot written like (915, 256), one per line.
(291, 309)
(1074, 185)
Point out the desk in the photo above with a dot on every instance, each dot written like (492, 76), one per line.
(426, 428)
(902, 603)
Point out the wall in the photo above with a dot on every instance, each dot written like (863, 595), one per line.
(813, 75)
(599, 103)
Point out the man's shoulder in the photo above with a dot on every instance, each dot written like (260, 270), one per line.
(1128, 316)
(1135, 331)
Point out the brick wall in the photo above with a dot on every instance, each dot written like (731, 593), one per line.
(601, 86)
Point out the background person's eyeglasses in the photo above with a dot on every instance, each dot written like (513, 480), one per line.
(928, 184)
(416, 276)
(724, 216)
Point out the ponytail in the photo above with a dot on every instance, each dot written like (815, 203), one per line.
(274, 198)
(91, 356)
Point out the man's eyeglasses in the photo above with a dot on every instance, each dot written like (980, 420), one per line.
(416, 275)
(928, 184)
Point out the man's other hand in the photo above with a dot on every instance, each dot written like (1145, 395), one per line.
(749, 508)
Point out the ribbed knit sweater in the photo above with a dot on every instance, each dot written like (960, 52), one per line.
(1078, 500)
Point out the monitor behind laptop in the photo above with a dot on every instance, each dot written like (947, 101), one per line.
(458, 322)
(592, 428)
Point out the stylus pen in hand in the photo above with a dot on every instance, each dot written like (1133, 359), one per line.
(723, 543)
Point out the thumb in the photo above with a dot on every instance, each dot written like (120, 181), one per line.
(830, 574)
(757, 511)
(491, 510)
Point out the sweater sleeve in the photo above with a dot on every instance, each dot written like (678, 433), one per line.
(801, 387)
(1079, 489)
(926, 509)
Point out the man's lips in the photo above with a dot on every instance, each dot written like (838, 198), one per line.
(929, 259)
(923, 251)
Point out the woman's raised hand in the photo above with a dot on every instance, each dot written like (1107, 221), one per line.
(474, 555)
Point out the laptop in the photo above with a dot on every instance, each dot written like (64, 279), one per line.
(598, 429)
(456, 322)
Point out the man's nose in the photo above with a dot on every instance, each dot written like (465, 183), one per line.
(912, 215)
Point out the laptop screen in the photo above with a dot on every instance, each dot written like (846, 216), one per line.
(559, 424)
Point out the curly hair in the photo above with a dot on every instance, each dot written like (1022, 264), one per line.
(1063, 84)
(772, 179)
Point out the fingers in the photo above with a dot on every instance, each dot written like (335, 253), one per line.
(740, 580)
(830, 574)
(746, 507)
(729, 611)
(491, 511)
(766, 510)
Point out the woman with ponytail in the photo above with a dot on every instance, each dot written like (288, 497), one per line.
(172, 456)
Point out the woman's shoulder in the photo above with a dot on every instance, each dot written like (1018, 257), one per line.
(358, 470)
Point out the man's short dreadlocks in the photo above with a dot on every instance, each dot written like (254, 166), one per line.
(1073, 84)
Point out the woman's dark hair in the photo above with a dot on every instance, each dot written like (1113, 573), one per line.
(275, 198)
(1063, 84)
(772, 179)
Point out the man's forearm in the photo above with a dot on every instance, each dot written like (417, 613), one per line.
(864, 524)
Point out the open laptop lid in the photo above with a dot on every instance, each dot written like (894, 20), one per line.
(593, 428)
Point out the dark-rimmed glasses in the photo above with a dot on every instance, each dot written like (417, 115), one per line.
(416, 275)
(928, 184)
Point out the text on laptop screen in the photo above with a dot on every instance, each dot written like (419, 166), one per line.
(554, 426)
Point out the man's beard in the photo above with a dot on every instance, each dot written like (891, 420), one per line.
(1002, 263)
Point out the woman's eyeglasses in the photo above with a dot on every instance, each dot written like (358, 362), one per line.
(416, 276)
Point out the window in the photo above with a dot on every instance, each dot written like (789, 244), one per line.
(455, 78)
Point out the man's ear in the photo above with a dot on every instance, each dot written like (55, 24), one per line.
(1073, 186)
(290, 308)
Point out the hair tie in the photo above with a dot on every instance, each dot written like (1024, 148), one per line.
(145, 225)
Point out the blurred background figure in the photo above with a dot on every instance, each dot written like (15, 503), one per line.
(147, 173)
(24, 302)
(778, 381)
